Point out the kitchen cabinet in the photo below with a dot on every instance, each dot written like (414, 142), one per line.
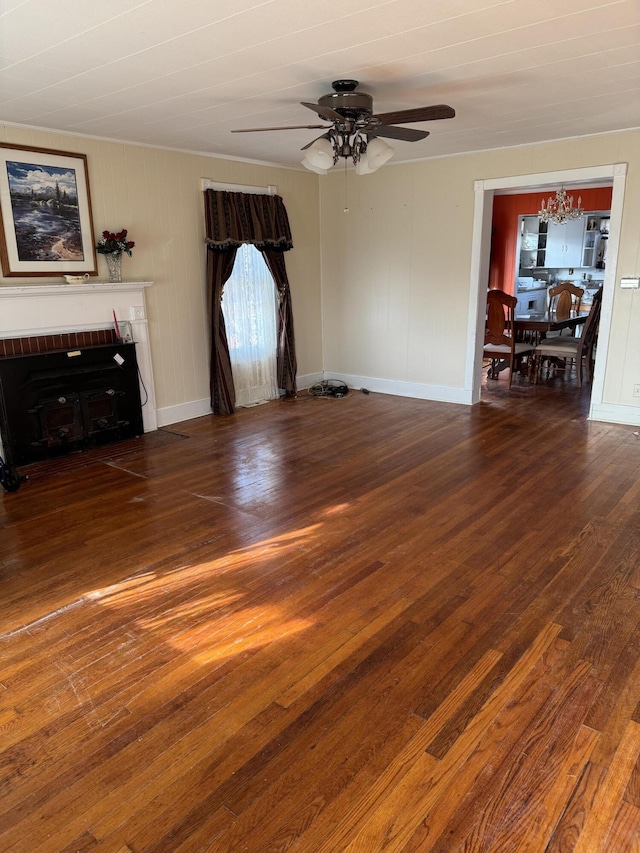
(594, 250)
(576, 244)
(531, 244)
(544, 245)
(565, 243)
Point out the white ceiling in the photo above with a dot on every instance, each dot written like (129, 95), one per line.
(183, 73)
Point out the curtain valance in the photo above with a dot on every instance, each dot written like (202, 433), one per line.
(236, 218)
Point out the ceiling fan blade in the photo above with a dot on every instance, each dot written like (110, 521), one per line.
(408, 134)
(324, 112)
(289, 127)
(433, 113)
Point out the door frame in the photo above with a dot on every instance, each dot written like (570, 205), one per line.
(480, 253)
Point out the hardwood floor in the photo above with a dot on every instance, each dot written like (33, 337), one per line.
(367, 624)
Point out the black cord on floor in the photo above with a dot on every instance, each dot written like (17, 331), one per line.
(329, 388)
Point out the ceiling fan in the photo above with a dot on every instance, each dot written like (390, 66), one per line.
(354, 130)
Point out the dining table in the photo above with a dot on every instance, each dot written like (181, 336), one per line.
(532, 327)
(538, 323)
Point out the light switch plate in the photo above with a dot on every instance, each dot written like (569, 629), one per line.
(630, 282)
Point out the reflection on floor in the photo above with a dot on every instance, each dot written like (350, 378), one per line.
(560, 387)
(362, 624)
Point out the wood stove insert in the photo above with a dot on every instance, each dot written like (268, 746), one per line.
(54, 402)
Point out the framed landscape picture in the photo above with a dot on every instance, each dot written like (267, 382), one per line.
(46, 228)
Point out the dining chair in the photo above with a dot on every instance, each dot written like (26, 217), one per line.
(567, 349)
(563, 298)
(499, 338)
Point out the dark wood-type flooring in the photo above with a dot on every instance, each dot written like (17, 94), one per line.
(368, 624)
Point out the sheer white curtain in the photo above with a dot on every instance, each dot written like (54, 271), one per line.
(249, 309)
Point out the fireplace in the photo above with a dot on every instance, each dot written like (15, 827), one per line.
(55, 402)
(56, 321)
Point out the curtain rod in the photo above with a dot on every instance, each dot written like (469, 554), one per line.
(238, 188)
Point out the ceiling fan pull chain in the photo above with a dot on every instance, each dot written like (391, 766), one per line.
(346, 199)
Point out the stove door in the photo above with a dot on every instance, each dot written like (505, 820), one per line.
(60, 421)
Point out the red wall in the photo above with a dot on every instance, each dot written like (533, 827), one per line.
(504, 230)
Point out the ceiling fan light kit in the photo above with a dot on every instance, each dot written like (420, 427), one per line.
(377, 153)
(355, 130)
(319, 157)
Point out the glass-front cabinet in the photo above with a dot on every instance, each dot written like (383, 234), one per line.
(533, 243)
(578, 243)
(596, 235)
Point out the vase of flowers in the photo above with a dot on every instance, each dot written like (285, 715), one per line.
(112, 245)
(114, 265)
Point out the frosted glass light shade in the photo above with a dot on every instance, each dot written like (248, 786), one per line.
(376, 155)
(308, 165)
(319, 156)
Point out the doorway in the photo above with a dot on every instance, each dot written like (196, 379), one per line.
(481, 244)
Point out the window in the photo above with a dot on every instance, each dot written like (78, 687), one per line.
(249, 309)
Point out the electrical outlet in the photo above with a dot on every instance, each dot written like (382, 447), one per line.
(137, 312)
(636, 390)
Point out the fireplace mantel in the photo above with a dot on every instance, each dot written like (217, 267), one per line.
(32, 310)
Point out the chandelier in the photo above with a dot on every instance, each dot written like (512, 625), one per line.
(367, 154)
(560, 209)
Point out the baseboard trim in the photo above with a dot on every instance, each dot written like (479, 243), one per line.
(183, 412)
(615, 414)
(309, 379)
(419, 390)
(198, 408)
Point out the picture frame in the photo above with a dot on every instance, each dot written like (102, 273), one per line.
(46, 225)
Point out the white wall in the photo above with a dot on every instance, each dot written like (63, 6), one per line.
(156, 194)
(396, 268)
(384, 289)
(396, 273)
